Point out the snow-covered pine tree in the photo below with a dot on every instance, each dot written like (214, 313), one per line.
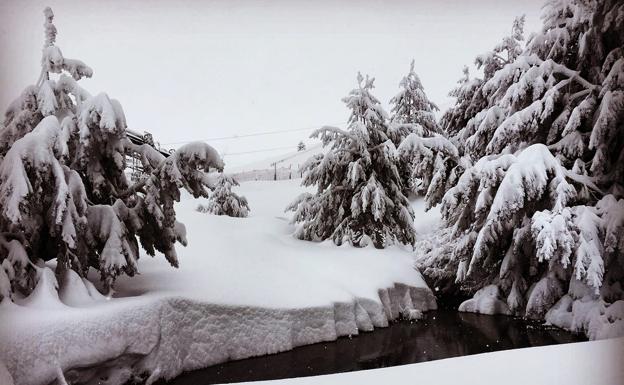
(540, 213)
(301, 146)
(359, 190)
(468, 101)
(411, 107)
(504, 52)
(63, 192)
(413, 117)
(223, 201)
(469, 96)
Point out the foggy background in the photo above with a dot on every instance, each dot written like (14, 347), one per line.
(197, 70)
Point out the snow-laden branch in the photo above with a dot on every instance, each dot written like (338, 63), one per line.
(330, 133)
(149, 156)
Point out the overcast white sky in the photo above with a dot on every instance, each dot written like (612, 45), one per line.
(187, 70)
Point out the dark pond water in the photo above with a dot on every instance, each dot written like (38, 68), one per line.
(441, 334)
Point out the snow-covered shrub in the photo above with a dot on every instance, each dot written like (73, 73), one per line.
(359, 190)
(63, 191)
(223, 201)
(539, 204)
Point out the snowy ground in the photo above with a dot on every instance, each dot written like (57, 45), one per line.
(583, 363)
(255, 261)
(245, 287)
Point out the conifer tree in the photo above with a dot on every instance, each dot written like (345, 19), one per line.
(359, 194)
(223, 201)
(469, 95)
(413, 115)
(412, 108)
(63, 191)
(538, 211)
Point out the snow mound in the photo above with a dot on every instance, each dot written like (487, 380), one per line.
(543, 296)
(76, 291)
(245, 287)
(486, 301)
(45, 295)
(591, 316)
(162, 337)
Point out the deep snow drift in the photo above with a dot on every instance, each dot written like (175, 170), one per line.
(245, 287)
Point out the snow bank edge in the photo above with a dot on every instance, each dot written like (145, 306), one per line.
(170, 335)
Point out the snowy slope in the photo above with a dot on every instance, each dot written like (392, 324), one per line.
(245, 287)
(583, 363)
(286, 165)
(255, 261)
(290, 159)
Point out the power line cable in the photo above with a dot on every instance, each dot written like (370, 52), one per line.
(254, 151)
(249, 135)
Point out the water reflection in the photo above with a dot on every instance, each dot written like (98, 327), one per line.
(441, 334)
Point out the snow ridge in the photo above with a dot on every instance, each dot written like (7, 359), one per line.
(168, 335)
